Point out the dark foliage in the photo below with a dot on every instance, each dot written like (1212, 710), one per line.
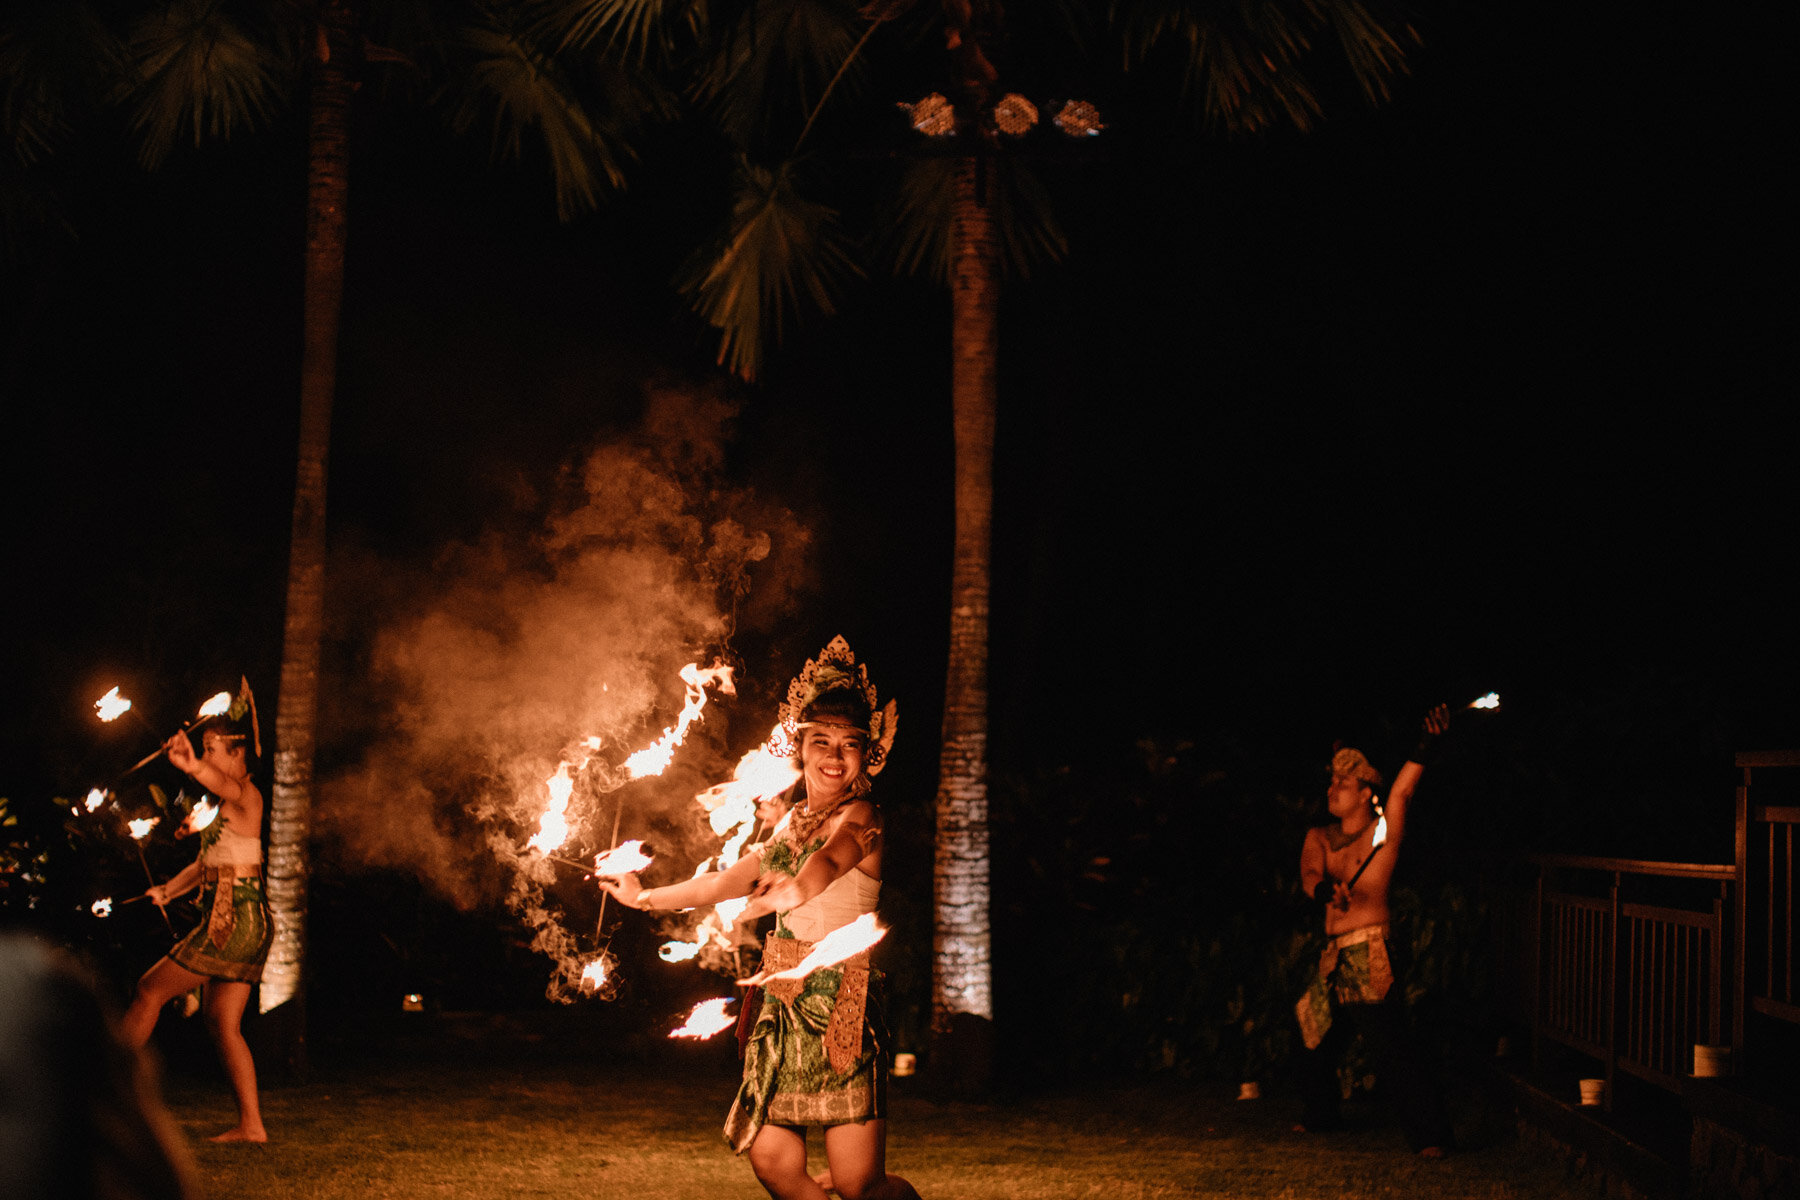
(1150, 920)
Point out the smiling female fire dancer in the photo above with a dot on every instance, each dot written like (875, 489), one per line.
(1346, 867)
(818, 1052)
(225, 953)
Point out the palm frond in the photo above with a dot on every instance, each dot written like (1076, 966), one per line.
(415, 36)
(1030, 234)
(55, 55)
(780, 251)
(32, 118)
(1374, 47)
(639, 28)
(776, 60)
(1051, 45)
(199, 70)
(1245, 61)
(515, 84)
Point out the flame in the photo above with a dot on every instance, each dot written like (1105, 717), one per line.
(705, 1019)
(140, 828)
(217, 706)
(622, 860)
(553, 826)
(112, 706)
(593, 976)
(758, 775)
(1491, 700)
(199, 817)
(95, 798)
(103, 906)
(834, 947)
(1380, 832)
(654, 759)
(713, 929)
(731, 806)
(674, 952)
(731, 812)
(728, 910)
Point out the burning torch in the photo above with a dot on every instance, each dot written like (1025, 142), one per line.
(1487, 703)
(140, 829)
(217, 706)
(111, 706)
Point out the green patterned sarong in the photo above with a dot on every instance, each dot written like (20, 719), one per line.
(247, 937)
(1353, 969)
(789, 1078)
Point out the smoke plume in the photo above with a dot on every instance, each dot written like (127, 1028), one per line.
(513, 655)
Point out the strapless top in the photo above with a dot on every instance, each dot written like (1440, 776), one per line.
(850, 896)
(232, 850)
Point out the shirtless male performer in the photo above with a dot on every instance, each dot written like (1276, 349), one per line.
(1358, 982)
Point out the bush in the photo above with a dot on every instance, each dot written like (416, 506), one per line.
(1150, 920)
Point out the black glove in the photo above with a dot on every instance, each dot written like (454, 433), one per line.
(1431, 731)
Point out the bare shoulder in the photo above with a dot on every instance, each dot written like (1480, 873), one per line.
(860, 821)
(860, 812)
(249, 801)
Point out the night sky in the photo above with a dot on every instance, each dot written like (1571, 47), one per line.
(1487, 389)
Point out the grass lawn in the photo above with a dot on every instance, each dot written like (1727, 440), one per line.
(496, 1119)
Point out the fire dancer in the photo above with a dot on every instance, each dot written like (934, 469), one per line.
(1347, 866)
(818, 1050)
(225, 953)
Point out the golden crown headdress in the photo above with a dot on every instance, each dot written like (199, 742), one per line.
(1351, 764)
(244, 705)
(835, 668)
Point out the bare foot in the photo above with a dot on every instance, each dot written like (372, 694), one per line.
(823, 1179)
(241, 1134)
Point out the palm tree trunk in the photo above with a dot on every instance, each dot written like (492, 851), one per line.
(296, 719)
(962, 976)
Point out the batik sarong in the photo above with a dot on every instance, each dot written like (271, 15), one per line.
(233, 937)
(817, 1053)
(1353, 969)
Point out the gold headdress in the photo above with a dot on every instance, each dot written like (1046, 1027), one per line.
(245, 705)
(1352, 765)
(835, 668)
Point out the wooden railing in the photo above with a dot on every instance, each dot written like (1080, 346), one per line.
(1628, 982)
(1636, 973)
(1765, 921)
(1673, 972)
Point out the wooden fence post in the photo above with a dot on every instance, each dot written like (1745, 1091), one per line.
(1612, 993)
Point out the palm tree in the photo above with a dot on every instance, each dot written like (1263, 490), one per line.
(969, 217)
(303, 629)
(202, 70)
(962, 935)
